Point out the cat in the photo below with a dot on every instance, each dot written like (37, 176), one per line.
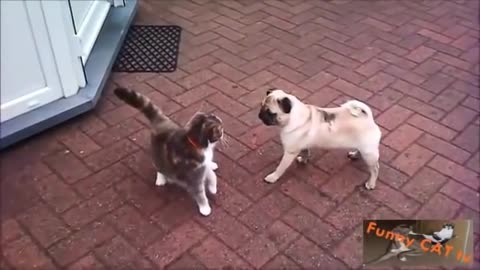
(181, 155)
(398, 248)
(442, 236)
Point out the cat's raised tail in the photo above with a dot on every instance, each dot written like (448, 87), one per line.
(142, 103)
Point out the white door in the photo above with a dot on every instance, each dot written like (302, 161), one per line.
(88, 18)
(29, 74)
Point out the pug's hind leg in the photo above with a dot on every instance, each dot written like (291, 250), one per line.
(304, 157)
(371, 158)
(353, 155)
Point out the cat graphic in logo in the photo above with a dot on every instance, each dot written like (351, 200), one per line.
(441, 237)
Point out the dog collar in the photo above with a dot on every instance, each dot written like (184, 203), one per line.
(193, 143)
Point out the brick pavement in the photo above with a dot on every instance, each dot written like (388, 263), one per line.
(83, 195)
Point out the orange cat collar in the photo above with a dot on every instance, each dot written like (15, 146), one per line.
(193, 143)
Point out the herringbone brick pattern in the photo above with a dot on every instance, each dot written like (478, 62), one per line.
(82, 196)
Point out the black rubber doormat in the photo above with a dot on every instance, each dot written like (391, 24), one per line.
(149, 48)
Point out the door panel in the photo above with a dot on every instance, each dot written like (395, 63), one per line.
(80, 10)
(29, 74)
(88, 17)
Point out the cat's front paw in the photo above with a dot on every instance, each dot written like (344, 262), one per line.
(161, 180)
(213, 166)
(212, 189)
(205, 210)
(271, 178)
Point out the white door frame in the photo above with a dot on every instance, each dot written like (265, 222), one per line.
(65, 46)
(88, 31)
(73, 46)
(118, 3)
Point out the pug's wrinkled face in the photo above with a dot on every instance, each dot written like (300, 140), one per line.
(275, 109)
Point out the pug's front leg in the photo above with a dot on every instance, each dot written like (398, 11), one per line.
(287, 159)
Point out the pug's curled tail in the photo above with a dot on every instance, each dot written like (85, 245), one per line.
(358, 108)
(142, 103)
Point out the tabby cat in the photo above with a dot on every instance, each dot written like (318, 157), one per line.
(181, 155)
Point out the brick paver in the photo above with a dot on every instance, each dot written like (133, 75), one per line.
(82, 195)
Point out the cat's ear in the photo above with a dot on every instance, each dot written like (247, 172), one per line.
(269, 91)
(285, 104)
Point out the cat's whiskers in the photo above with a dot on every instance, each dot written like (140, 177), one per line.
(224, 140)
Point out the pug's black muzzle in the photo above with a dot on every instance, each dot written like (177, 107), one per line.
(267, 117)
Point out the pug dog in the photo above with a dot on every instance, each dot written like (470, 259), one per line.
(303, 126)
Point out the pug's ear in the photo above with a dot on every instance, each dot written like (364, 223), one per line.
(285, 104)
